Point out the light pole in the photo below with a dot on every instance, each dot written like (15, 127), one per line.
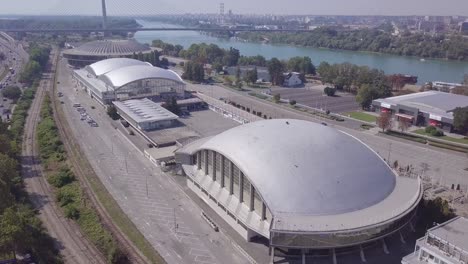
(389, 150)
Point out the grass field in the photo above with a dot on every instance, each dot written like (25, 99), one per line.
(451, 139)
(361, 116)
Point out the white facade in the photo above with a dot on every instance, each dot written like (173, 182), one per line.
(292, 79)
(446, 243)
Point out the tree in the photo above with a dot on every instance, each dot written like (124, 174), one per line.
(365, 96)
(238, 75)
(384, 121)
(251, 76)
(171, 105)
(276, 70)
(403, 124)
(292, 102)
(329, 91)
(301, 64)
(12, 93)
(194, 71)
(460, 120)
(112, 112)
(465, 79)
(277, 98)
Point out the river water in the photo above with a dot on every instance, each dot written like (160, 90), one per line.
(428, 70)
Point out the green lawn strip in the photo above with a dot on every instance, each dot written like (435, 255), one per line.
(448, 138)
(361, 116)
(68, 192)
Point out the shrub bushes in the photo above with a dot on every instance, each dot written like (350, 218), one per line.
(433, 131)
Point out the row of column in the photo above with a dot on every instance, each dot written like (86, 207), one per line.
(230, 187)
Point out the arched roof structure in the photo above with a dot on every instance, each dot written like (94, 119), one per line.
(104, 66)
(125, 75)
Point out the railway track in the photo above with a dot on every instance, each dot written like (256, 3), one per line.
(82, 168)
(73, 246)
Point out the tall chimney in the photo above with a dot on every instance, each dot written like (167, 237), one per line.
(104, 15)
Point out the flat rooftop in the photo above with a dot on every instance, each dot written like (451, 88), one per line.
(430, 102)
(454, 231)
(144, 110)
(93, 81)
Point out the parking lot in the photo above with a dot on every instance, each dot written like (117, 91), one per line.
(340, 103)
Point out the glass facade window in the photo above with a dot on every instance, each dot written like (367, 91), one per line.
(268, 215)
(257, 203)
(150, 88)
(339, 239)
(218, 167)
(227, 176)
(246, 190)
(210, 162)
(203, 159)
(236, 177)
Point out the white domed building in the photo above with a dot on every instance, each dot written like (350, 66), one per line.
(299, 184)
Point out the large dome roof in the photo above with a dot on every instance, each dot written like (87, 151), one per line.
(304, 168)
(110, 48)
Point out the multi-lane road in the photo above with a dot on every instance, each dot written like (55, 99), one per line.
(15, 58)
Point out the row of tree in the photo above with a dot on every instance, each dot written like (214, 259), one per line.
(38, 59)
(20, 230)
(453, 47)
(367, 83)
(194, 71)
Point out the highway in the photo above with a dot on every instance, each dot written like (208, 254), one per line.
(15, 57)
(163, 213)
(73, 246)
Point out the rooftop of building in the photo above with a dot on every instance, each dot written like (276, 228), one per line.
(454, 231)
(433, 102)
(109, 48)
(144, 110)
(314, 177)
(111, 74)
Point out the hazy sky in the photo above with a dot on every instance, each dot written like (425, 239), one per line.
(315, 7)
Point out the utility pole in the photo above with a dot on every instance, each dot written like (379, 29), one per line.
(175, 221)
(389, 150)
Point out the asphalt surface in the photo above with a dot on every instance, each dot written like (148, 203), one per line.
(72, 245)
(162, 212)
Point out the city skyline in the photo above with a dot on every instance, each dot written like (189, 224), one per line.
(299, 7)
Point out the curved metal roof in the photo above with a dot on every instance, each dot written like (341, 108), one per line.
(125, 75)
(304, 168)
(105, 66)
(109, 48)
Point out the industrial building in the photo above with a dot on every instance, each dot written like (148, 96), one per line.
(446, 243)
(299, 185)
(145, 114)
(122, 79)
(94, 51)
(422, 109)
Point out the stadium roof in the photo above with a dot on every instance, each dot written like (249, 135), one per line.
(125, 75)
(105, 66)
(314, 177)
(434, 102)
(109, 48)
(144, 110)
